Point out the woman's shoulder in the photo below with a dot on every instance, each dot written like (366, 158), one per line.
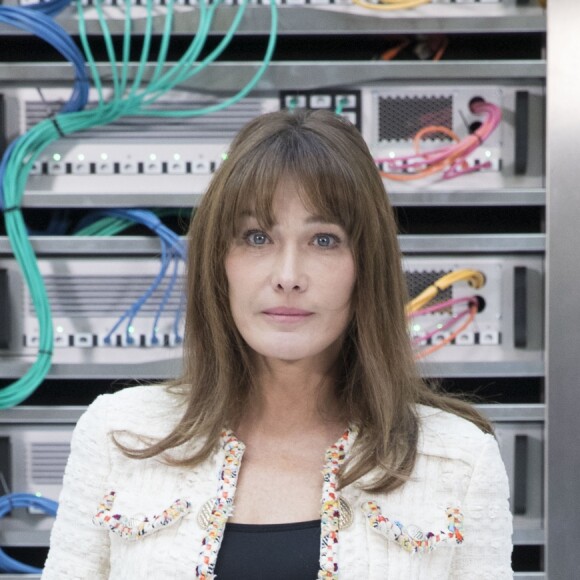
(134, 407)
(446, 435)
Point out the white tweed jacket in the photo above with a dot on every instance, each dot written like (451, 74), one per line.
(457, 465)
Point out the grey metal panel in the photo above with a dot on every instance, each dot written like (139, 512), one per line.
(456, 198)
(288, 75)
(427, 244)
(23, 415)
(510, 412)
(70, 414)
(155, 370)
(563, 279)
(483, 369)
(337, 20)
(164, 369)
(511, 197)
(478, 244)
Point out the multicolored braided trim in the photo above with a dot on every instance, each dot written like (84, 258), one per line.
(411, 538)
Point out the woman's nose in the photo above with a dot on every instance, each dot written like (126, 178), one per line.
(289, 271)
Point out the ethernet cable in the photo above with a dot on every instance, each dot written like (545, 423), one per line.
(473, 277)
(50, 7)
(13, 501)
(470, 313)
(23, 153)
(15, 173)
(173, 251)
(449, 159)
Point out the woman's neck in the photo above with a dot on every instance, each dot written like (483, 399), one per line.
(292, 398)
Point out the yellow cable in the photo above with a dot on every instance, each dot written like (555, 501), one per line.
(390, 4)
(473, 277)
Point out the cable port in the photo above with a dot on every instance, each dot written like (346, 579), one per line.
(474, 102)
(480, 301)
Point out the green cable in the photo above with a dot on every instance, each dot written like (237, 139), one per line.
(33, 143)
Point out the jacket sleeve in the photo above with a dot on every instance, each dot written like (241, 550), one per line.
(487, 525)
(78, 549)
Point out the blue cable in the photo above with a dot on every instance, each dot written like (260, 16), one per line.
(172, 250)
(50, 7)
(23, 500)
(166, 295)
(47, 29)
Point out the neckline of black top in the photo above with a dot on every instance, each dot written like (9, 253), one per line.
(270, 528)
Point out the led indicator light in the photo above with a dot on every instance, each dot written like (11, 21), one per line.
(131, 329)
(439, 326)
(224, 156)
(81, 157)
(176, 156)
(57, 157)
(59, 329)
(488, 153)
(416, 327)
(392, 154)
(152, 157)
(104, 156)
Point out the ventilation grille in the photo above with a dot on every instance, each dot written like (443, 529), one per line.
(418, 281)
(47, 462)
(214, 127)
(401, 118)
(76, 296)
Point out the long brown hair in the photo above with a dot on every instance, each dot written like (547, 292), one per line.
(379, 385)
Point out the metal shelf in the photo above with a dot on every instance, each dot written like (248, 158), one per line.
(472, 244)
(483, 369)
(510, 197)
(510, 412)
(70, 414)
(326, 20)
(416, 244)
(154, 370)
(161, 370)
(287, 75)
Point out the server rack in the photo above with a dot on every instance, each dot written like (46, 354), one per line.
(506, 17)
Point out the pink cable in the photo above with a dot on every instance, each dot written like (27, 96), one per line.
(448, 324)
(441, 306)
(423, 160)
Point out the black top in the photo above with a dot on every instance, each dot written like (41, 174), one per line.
(265, 552)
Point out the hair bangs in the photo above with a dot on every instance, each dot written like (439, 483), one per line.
(320, 174)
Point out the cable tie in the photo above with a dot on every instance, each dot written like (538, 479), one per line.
(57, 126)
(48, 352)
(12, 208)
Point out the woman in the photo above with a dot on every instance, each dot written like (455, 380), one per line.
(297, 358)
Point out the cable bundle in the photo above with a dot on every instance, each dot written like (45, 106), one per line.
(418, 307)
(13, 176)
(450, 159)
(130, 97)
(23, 500)
(172, 254)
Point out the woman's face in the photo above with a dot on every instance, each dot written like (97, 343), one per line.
(290, 286)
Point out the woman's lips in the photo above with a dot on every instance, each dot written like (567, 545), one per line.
(285, 314)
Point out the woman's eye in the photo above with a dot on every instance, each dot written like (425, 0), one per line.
(256, 238)
(326, 240)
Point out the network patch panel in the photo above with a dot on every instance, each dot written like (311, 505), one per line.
(508, 325)
(89, 294)
(144, 155)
